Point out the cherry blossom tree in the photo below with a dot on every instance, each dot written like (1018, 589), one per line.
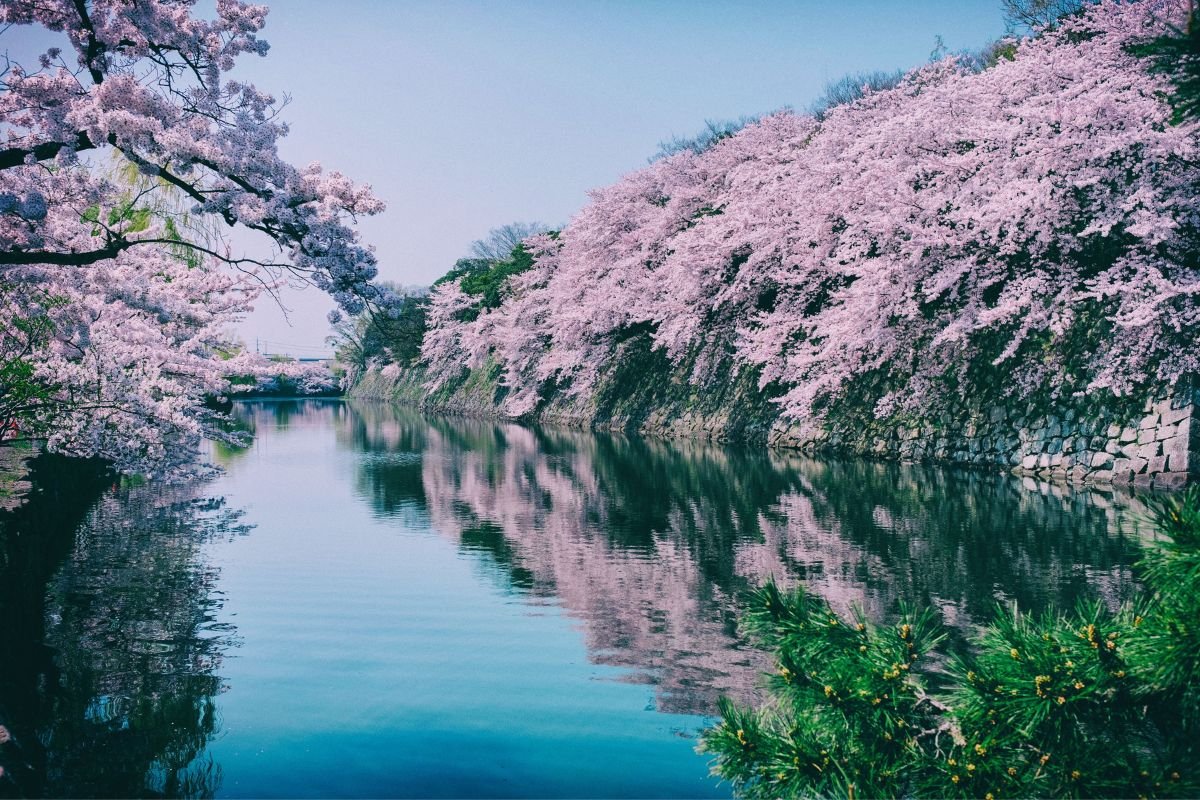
(119, 360)
(115, 294)
(1029, 227)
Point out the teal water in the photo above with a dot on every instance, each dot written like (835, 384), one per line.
(370, 603)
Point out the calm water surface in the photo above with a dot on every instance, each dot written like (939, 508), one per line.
(369, 602)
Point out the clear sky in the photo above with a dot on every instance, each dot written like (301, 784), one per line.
(467, 115)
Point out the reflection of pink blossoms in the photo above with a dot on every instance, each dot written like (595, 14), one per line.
(956, 218)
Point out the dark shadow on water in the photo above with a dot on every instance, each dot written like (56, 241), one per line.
(111, 648)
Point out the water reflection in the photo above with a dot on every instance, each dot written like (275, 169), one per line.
(402, 597)
(651, 544)
(109, 679)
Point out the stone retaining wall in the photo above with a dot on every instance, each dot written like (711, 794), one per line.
(1086, 441)
(1157, 445)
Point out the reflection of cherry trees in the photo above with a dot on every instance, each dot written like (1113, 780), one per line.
(874, 534)
(651, 544)
(116, 696)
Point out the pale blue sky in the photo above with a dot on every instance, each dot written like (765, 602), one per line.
(467, 115)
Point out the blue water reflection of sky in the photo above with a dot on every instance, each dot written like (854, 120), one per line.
(378, 659)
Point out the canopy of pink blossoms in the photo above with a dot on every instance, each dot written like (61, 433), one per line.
(964, 218)
(124, 156)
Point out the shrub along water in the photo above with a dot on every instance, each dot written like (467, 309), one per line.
(1092, 703)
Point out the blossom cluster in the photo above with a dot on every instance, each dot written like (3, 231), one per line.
(123, 157)
(120, 359)
(964, 222)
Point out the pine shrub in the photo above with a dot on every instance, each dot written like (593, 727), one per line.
(1090, 703)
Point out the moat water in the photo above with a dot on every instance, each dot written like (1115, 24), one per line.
(369, 602)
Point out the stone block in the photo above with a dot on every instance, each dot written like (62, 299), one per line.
(1102, 461)
(1029, 462)
(1145, 479)
(1113, 446)
(1130, 450)
(1156, 465)
(1176, 415)
(1171, 480)
(1100, 476)
(1137, 465)
(1148, 450)
(1129, 434)
(1146, 435)
(1043, 461)
(1166, 432)
(1113, 432)
(1122, 477)
(1148, 421)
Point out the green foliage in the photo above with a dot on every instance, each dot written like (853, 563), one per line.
(25, 330)
(125, 216)
(486, 278)
(1177, 55)
(402, 333)
(847, 702)
(1172, 640)
(181, 249)
(1092, 703)
(394, 337)
(139, 208)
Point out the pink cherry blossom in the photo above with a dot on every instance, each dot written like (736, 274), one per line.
(117, 292)
(963, 217)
